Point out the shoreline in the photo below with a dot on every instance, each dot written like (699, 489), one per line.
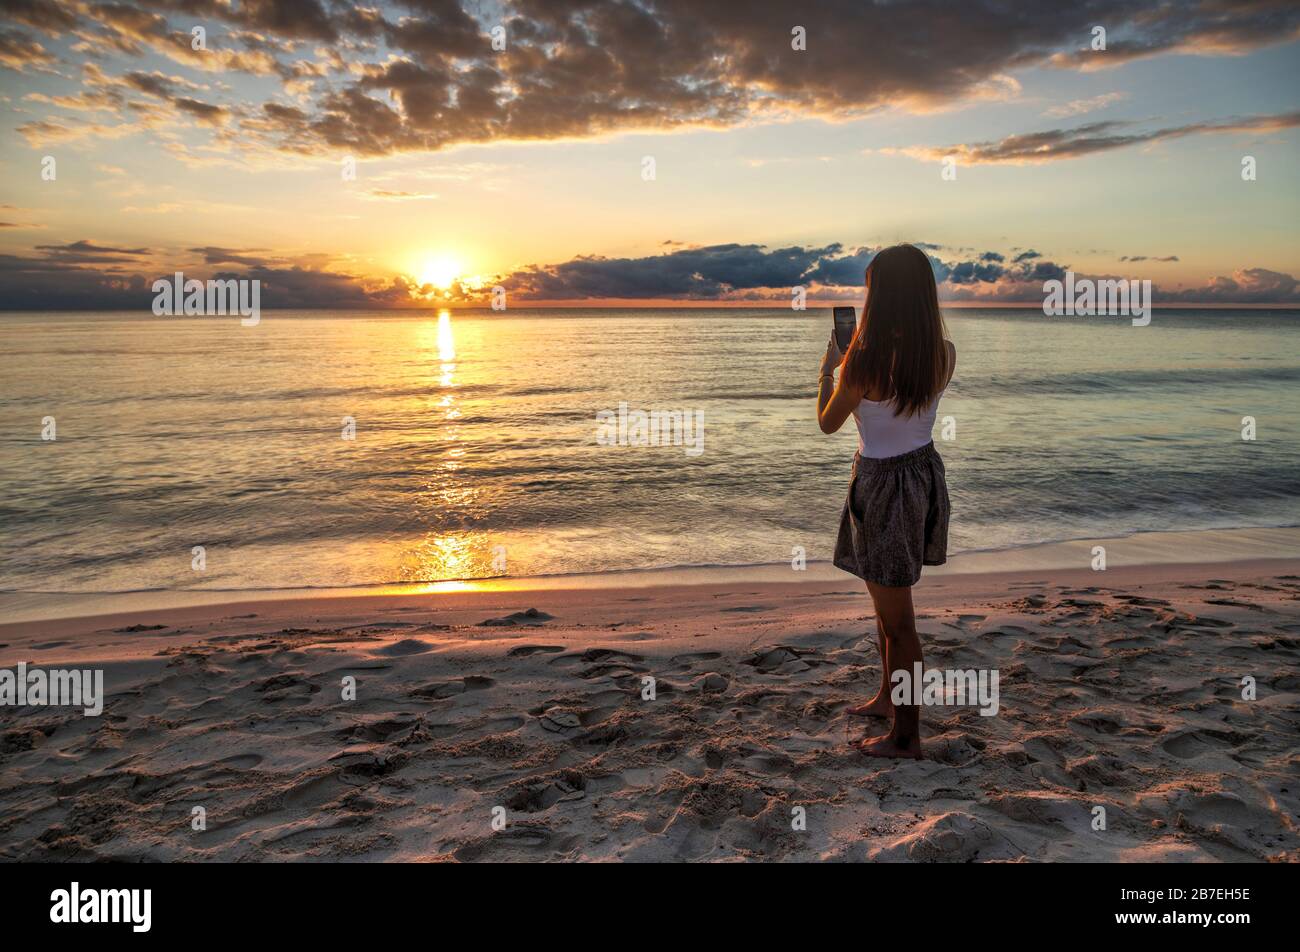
(1142, 549)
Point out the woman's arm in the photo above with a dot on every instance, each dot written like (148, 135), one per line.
(834, 401)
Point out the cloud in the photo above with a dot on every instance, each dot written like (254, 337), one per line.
(422, 75)
(1207, 28)
(701, 273)
(87, 275)
(1078, 107)
(214, 255)
(398, 195)
(87, 252)
(734, 272)
(1053, 144)
(51, 18)
(18, 51)
(1246, 286)
(204, 112)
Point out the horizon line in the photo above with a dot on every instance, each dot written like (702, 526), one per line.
(623, 305)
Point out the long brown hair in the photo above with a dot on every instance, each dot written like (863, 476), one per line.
(899, 346)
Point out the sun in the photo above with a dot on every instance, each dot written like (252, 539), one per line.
(441, 271)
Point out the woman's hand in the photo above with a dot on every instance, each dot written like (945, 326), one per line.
(833, 358)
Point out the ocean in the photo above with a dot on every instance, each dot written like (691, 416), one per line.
(195, 453)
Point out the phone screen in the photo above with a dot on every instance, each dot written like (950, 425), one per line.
(846, 321)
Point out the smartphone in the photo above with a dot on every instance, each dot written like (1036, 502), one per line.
(846, 322)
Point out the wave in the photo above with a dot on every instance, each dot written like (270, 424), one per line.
(1113, 381)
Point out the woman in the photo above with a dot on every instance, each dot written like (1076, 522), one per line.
(896, 517)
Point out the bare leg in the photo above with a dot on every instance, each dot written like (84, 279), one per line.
(880, 705)
(898, 619)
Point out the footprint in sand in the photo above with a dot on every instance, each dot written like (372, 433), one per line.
(407, 646)
(376, 731)
(516, 841)
(448, 689)
(955, 750)
(1139, 641)
(1233, 603)
(1205, 621)
(602, 662)
(559, 719)
(607, 654)
(616, 670)
(282, 686)
(1191, 744)
(686, 660)
(1230, 818)
(948, 838)
(781, 659)
(530, 617)
(235, 762)
(711, 683)
(1101, 723)
(1143, 600)
(524, 651)
(536, 794)
(363, 760)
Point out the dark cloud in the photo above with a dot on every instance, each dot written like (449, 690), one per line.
(726, 272)
(295, 19)
(49, 17)
(204, 112)
(709, 272)
(1053, 144)
(1197, 28)
(84, 275)
(841, 270)
(214, 255)
(973, 272)
(1165, 258)
(1247, 286)
(154, 84)
(87, 252)
(29, 284)
(308, 288)
(290, 19)
(19, 50)
(422, 74)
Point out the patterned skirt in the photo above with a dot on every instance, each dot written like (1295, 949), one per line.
(895, 518)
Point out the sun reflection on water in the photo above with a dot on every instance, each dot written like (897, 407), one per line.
(446, 341)
(446, 557)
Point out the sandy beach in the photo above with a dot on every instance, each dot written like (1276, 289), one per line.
(1120, 690)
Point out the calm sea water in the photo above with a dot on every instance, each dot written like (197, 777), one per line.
(476, 431)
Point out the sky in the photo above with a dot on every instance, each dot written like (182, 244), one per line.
(421, 153)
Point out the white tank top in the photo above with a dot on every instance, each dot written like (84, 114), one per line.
(882, 435)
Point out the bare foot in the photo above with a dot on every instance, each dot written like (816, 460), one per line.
(887, 746)
(878, 706)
